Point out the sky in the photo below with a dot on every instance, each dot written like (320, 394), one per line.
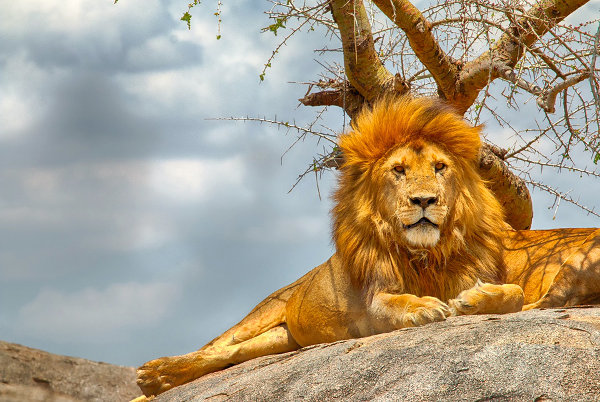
(132, 224)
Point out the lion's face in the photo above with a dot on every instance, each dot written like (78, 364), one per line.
(410, 195)
(419, 189)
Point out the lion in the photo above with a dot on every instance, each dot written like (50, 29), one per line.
(418, 237)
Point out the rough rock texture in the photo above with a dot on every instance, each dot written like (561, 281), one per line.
(33, 375)
(536, 355)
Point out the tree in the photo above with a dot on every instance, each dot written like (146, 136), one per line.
(468, 53)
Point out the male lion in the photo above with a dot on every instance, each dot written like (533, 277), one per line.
(418, 237)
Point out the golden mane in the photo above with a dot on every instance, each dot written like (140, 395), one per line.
(469, 247)
(396, 122)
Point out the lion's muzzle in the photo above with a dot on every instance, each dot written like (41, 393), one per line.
(422, 221)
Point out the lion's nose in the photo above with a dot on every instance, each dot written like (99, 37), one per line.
(424, 202)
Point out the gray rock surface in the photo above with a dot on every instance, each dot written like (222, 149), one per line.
(539, 355)
(33, 375)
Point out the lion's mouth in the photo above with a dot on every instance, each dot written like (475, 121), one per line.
(422, 221)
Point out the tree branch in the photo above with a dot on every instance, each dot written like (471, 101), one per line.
(418, 31)
(509, 75)
(508, 188)
(363, 67)
(335, 94)
(548, 98)
(522, 34)
(549, 62)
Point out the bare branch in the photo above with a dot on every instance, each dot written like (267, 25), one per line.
(336, 94)
(364, 69)
(560, 167)
(418, 31)
(442, 48)
(593, 84)
(509, 75)
(547, 99)
(303, 130)
(563, 196)
(332, 160)
(536, 22)
(548, 61)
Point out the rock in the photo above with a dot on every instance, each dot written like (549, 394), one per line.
(539, 355)
(33, 375)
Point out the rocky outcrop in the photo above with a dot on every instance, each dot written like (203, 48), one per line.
(33, 375)
(537, 355)
(540, 355)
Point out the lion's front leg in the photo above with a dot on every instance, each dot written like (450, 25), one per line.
(488, 298)
(391, 311)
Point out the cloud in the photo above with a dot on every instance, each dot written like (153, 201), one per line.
(12, 105)
(162, 52)
(80, 33)
(90, 315)
(286, 229)
(195, 180)
(21, 101)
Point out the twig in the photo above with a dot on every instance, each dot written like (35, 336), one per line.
(547, 99)
(288, 125)
(563, 196)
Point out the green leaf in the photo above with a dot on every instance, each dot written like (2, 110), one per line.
(596, 158)
(218, 37)
(279, 23)
(187, 18)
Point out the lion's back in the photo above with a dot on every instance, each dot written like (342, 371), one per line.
(534, 257)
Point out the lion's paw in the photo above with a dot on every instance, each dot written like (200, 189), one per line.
(488, 298)
(428, 309)
(142, 398)
(155, 376)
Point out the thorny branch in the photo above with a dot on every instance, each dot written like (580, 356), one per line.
(287, 125)
(335, 93)
(547, 98)
(457, 49)
(562, 196)
(422, 41)
(524, 29)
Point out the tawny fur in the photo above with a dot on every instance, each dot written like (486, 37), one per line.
(418, 237)
(373, 253)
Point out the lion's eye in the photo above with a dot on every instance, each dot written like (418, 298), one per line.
(399, 169)
(439, 166)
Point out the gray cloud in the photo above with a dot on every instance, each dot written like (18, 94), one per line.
(114, 184)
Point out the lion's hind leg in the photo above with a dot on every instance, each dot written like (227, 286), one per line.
(162, 374)
(578, 280)
(488, 298)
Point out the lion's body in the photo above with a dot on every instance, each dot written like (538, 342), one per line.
(555, 268)
(418, 236)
